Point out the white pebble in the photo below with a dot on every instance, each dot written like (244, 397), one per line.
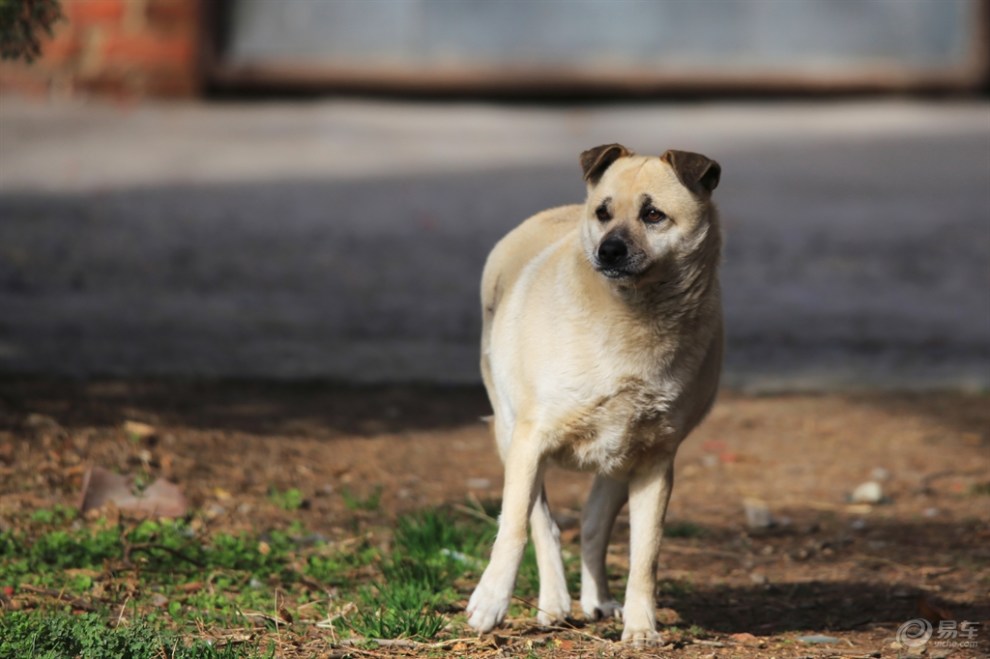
(868, 492)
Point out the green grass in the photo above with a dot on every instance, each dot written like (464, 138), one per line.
(370, 503)
(291, 499)
(430, 551)
(178, 580)
(88, 636)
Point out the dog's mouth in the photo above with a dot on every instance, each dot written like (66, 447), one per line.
(616, 273)
(628, 269)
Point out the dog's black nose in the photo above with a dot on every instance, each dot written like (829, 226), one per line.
(612, 251)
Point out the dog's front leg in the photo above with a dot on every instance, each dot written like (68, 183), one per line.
(649, 492)
(523, 478)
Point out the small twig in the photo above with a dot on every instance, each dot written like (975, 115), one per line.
(146, 546)
(473, 512)
(60, 596)
(574, 630)
(383, 642)
(404, 643)
(275, 620)
(568, 628)
(123, 607)
(687, 549)
(277, 617)
(927, 481)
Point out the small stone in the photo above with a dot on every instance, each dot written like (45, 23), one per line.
(758, 578)
(858, 524)
(745, 638)
(818, 639)
(868, 492)
(36, 421)
(879, 474)
(757, 514)
(479, 483)
(931, 512)
(138, 430)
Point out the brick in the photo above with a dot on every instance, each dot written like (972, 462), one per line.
(170, 15)
(146, 50)
(172, 85)
(60, 50)
(16, 79)
(84, 13)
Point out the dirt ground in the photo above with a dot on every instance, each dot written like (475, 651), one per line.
(825, 566)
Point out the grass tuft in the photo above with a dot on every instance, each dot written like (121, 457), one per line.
(56, 635)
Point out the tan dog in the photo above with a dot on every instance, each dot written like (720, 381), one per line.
(601, 351)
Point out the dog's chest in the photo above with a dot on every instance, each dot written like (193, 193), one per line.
(612, 432)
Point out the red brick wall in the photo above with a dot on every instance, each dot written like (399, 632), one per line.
(123, 48)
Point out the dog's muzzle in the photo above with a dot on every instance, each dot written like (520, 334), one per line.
(613, 258)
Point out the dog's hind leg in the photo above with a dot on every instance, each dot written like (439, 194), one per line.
(604, 503)
(555, 601)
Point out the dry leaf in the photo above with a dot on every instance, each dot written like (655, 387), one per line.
(138, 430)
(745, 638)
(932, 612)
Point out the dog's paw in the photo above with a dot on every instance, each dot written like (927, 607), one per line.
(554, 606)
(553, 612)
(486, 609)
(602, 610)
(642, 638)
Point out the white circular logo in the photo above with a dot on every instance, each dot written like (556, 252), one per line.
(914, 633)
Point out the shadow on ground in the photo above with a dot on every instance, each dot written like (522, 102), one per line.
(316, 409)
(834, 606)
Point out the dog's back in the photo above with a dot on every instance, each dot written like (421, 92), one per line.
(510, 257)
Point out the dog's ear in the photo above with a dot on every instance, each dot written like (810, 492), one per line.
(595, 161)
(696, 172)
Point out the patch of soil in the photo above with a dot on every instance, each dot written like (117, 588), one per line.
(826, 565)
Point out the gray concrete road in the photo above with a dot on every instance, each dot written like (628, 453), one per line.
(345, 239)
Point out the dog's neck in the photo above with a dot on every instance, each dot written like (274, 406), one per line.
(676, 293)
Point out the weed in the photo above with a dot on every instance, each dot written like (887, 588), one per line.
(429, 552)
(683, 530)
(697, 632)
(55, 635)
(291, 499)
(56, 515)
(675, 587)
(980, 489)
(386, 622)
(335, 567)
(370, 503)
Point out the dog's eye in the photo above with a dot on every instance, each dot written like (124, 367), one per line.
(652, 215)
(602, 213)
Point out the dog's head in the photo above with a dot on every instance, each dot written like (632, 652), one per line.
(645, 214)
